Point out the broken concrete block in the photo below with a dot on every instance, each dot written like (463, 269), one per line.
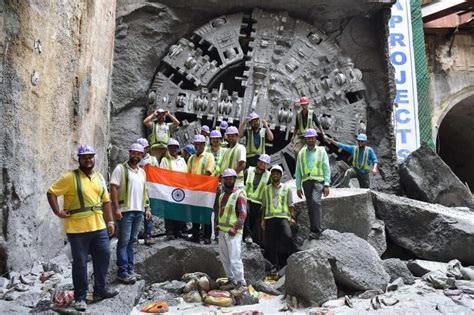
(344, 210)
(419, 267)
(429, 231)
(398, 269)
(169, 260)
(309, 277)
(424, 176)
(355, 263)
(377, 237)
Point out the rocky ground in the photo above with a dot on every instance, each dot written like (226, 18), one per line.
(379, 253)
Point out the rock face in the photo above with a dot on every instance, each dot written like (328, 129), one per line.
(55, 75)
(398, 269)
(344, 210)
(431, 232)
(425, 176)
(355, 263)
(171, 259)
(309, 277)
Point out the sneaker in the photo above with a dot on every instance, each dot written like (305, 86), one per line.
(248, 239)
(106, 294)
(126, 279)
(207, 241)
(80, 306)
(135, 275)
(149, 241)
(228, 286)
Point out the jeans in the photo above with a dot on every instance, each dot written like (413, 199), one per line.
(148, 224)
(127, 238)
(313, 191)
(97, 244)
(229, 254)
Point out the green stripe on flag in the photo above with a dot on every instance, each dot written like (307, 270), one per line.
(180, 212)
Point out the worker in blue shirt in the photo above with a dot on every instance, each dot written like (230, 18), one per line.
(313, 175)
(364, 160)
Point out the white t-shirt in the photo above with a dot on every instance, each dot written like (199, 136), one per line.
(178, 164)
(136, 184)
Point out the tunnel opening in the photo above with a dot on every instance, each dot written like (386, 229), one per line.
(455, 143)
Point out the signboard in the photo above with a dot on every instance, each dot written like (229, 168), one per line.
(402, 58)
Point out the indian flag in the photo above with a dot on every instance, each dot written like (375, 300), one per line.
(181, 196)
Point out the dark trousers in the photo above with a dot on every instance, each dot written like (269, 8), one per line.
(174, 227)
(313, 191)
(97, 244)
(252, 161)
(206, 231)
(148, 224)
(252, 224)
(278, 241)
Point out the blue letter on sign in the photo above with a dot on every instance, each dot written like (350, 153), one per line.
(399, 113)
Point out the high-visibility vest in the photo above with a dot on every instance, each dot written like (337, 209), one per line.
(218, 157)
(124, 196)
(355, 159)
(250, 145)
(316, 172)
(229, 217)
(309, 122)
(81, 209)
(229, 160)
(202, 166)
(255, 194)
(281, 210)
(161, 133)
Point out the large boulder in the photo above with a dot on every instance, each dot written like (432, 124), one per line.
(169, 260)
(355, 263)
(424, 176)
(398, 269)
(429, 231)
(318, 285)
(344, 210)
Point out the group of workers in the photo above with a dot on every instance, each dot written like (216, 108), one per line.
(252, 204)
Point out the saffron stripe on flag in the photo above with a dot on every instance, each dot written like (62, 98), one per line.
(181, 179)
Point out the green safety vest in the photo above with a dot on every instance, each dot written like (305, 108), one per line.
(250, 145)
(282, 210)
(255, 194)
(229, 217)
(161, 133)
(202, 166)
(81, 209)
(316, 172)
(309, 122)
(229, 160)
(355, 159)
(124, 198)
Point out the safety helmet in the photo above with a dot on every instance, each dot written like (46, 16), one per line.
(205, 129)
(229, 172)
(276, 168)
(190, 149)
(172, 141)
(310, 133)
(215, 134)
(199, 138)
(223, 125)
(265, 158)
(361, 137)
(232, 131)
(137, 147)
(85, 149)
(252, 116)
(304, 100)
(143, 142)
(161, 110)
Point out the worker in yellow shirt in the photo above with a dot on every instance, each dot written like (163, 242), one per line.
(86, 199)
(201, 163)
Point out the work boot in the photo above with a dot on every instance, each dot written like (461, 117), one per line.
(80, 306)
(149, 241)
(106, 294)
(126, 279)
(228, 286)
(248, 239)
(314, 236)
(135, 275)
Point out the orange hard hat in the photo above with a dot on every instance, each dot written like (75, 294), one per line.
(304, 100)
